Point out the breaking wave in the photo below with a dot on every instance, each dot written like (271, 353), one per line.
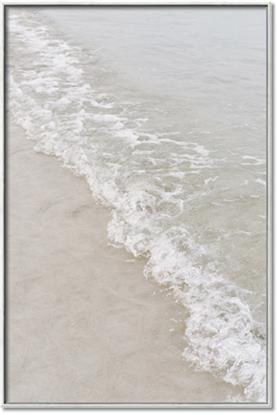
(145, 178)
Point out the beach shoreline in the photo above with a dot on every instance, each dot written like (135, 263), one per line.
(83, 324)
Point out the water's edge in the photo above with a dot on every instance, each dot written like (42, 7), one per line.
(221, 335)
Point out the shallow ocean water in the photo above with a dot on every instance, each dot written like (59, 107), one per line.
(163, 110)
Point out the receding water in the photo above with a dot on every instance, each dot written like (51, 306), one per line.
(163, 110)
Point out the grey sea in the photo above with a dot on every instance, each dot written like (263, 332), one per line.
(163, 111)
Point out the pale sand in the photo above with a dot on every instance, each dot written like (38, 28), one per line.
(84, 324)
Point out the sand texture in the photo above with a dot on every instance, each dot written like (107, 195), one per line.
(84, 325)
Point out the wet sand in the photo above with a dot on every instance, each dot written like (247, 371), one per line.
(84, 325)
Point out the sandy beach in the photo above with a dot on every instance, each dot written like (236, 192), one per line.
(166, 139)
(84, 325)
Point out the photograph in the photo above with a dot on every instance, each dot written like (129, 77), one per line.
(137, 205)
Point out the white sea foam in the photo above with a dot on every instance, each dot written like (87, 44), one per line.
(260, 181)
(148, 192)
(254, 161)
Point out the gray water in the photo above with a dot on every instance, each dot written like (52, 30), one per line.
(163, 110)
